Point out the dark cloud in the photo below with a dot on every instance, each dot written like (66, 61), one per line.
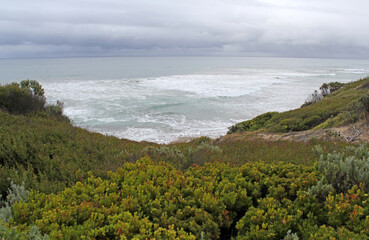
(41, 28)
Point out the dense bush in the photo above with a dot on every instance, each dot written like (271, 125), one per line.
(252, 125)
(21, 100)
(345, 169)
(144, 199)
(364, 101)
(16, 193)
(215, 201)
(28, 97)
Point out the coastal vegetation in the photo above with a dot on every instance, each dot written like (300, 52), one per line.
(59, 181)
(337, 104)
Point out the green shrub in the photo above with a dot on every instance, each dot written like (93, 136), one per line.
(169, 154)
(33, 87)
(143, 198)
(201, 140)
(291, 124)
(28, 97)
(14, 99)
(150, 199)
(270, 220)
(16, 193)
(345, 169)
(327, 232)
(196, 155)
(252, 125)
(364, 100)
(57, 111)
(321, 190)
(311, 121)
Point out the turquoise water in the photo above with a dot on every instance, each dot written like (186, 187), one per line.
(164, 99)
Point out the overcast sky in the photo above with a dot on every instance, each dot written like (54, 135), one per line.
(290, 28)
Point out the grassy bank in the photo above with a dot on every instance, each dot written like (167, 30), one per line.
(346, 105)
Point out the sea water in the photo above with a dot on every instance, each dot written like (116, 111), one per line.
(165, 99)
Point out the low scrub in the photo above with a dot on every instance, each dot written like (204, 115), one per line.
(146, 200)
(336, 104)
(254, 124)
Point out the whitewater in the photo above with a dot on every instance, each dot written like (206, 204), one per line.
(166, 99)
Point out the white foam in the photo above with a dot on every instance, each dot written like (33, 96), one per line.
(356, 70)
(168, 134)
(219, 85)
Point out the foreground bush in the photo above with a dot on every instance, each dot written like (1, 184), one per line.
(148, 200)
(16, 193)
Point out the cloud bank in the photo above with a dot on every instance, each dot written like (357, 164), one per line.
(290, 28)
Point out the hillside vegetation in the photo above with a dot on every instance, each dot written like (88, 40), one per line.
(59, 181)
(146, 200)
(50, 154)
(348, 104)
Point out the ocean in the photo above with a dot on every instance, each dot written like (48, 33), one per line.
(166, 99)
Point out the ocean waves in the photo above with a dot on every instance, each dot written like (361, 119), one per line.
(195, 97)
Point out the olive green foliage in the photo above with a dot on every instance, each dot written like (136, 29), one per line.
(334, 109)
(28, 97)
(253, 124)
(56, 111)
(364, 100)
(49, 155)
(321, 190)
(22, 99)
(146, 200)
(33, 87)
(16, 194)
(192, 154)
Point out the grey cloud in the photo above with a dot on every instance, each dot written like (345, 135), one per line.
(42, 28)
